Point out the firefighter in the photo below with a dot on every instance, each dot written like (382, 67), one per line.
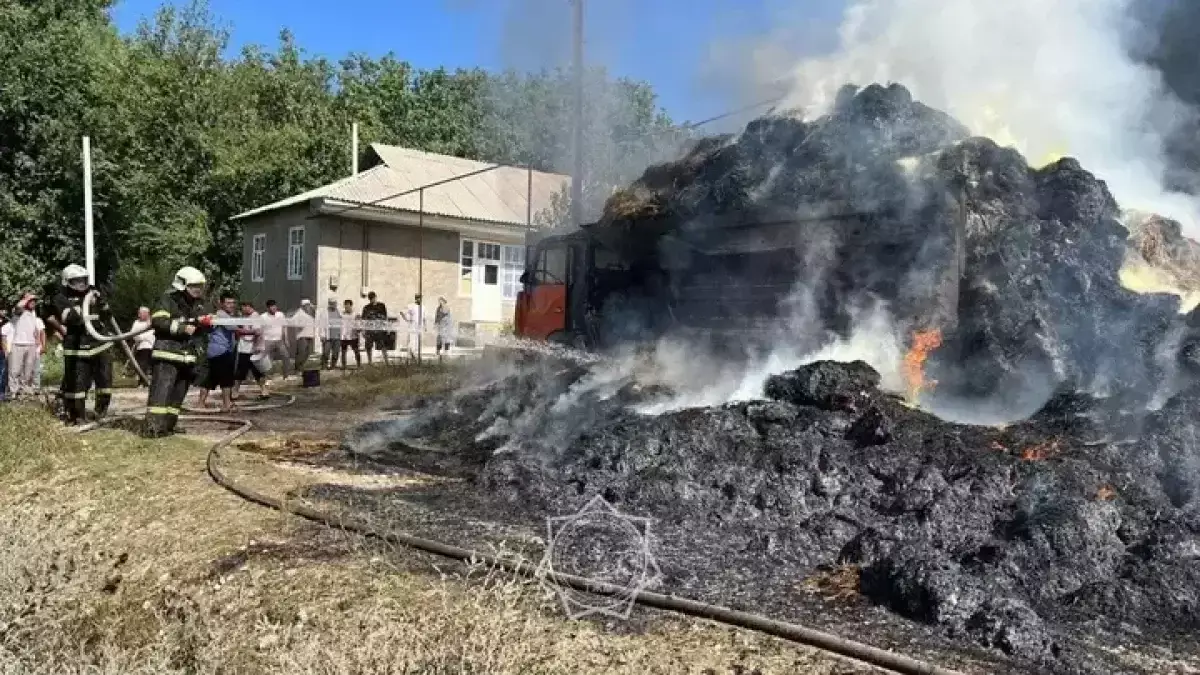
(86, 360)
(178, 323)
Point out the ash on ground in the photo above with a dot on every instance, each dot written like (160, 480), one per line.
(1083, 514)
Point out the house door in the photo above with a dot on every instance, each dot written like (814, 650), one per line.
(487, 295)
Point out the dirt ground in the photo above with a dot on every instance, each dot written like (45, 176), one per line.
(119, 555)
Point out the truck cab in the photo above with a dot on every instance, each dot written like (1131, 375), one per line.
(551, 303)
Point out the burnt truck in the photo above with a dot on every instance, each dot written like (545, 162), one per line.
(741, 281)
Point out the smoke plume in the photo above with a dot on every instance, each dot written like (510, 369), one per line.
(1051, 79)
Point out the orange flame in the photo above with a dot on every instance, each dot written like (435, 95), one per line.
(923, 343)
(1036, 453)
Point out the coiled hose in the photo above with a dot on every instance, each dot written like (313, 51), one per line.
(789, 631)
(117, 336)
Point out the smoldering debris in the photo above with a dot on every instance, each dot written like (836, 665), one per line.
(1078, 507)
(1005, 537)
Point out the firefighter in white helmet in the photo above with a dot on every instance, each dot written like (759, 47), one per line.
(178, 322)
(86, 360)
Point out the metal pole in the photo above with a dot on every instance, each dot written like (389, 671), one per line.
(577, 174)
(420, 270)
(89, 240)
(354, 149)
(529, 200)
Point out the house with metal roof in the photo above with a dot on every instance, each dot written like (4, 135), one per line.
(410, 222)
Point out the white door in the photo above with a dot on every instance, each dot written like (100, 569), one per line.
(487, 295)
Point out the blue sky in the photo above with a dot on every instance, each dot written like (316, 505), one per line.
(665, 42)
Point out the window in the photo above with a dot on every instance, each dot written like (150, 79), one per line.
(295, 264)
(489, 258)
(467, 265)
(512, 266)
(501, 265)
(258, 253)
(552, 265)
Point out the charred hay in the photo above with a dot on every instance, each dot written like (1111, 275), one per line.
(1085, 512)
(1009, 538)
(893, 201)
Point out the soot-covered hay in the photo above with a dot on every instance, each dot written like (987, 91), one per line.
(1086, 513)
(1008, 537)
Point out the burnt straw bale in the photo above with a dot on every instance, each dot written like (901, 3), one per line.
(1083, 513)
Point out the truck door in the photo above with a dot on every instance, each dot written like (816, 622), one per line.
(543, 310)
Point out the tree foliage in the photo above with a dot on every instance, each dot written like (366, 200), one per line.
(184, 137)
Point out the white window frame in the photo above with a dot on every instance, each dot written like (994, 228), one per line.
(470, 254)
(258, 258)
(512, 266)
(466, 265)
(295, 259)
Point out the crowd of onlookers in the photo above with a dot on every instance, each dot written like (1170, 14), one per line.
(304, 340)
(22, 346)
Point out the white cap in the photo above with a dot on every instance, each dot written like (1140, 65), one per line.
(305, 301)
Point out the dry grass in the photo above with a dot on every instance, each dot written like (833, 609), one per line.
(360, 387)
(118, 555)
(839, 583)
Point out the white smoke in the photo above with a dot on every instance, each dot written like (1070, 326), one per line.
(1051, 79)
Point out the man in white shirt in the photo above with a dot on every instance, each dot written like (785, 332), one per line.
(414, 314)
(250, 354)
(304, 322)
(275, 338)
(143, 343)
(23, 347)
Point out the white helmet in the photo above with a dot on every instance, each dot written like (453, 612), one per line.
(72, 273)
(188, 276)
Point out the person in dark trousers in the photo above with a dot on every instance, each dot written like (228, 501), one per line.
(375, 339)
(349, 334)
(86, 360)
(249, 355)
(3, 355)
(329, 325)
(220, 355)
(179, 322)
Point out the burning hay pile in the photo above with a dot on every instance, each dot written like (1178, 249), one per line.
(1005, 536)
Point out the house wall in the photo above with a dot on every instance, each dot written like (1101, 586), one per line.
(400, 260)
(275, 284)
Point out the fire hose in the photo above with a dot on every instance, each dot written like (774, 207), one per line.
(732, 617)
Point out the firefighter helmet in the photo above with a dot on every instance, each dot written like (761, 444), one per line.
(74, 273)
(188, 276)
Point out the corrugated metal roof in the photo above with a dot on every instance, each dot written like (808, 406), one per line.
(497, 196)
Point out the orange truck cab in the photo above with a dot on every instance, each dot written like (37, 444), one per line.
(554, 288)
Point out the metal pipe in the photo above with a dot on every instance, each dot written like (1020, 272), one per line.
(420, 318)
(354, 149)
(529, 198)
(89, 235)
(577, 173)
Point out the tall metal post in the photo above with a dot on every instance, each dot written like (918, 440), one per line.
(577, 173)
(420, 270)
(354, 149)
(89, 233)
(529, 199)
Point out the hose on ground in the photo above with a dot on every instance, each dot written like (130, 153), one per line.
(732, 617)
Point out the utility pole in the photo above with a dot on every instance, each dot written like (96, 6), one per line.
(577, 174)
(354, 149)
(89, 236)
